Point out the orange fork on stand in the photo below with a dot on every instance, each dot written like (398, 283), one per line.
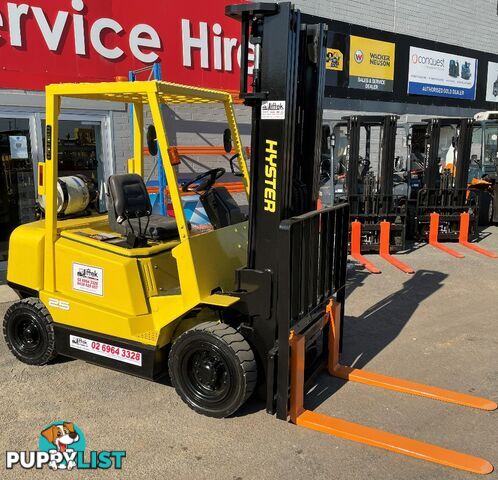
(356, 248)
(384, 249)
(464, 237)
(385, 242)
(433, 237)
(371, 436)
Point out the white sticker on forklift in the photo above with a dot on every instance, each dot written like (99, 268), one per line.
(273, 110)
(105, 350)
(88, 279)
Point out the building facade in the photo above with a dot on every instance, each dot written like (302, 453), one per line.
(88, 40)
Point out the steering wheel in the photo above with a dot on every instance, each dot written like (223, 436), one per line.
(204, 181)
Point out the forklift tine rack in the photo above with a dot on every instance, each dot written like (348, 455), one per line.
(384, 248)
(463, 238)
(372, 436)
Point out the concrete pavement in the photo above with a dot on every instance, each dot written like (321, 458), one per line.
(439, 326)
(7, 294)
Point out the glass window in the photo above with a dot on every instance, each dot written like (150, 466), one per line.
(447, 151)
(490, 146)
(17, 189)
(80, 151)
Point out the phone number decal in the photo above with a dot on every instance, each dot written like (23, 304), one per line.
(106, 350)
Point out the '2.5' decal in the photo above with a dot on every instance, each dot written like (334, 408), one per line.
(60, 304)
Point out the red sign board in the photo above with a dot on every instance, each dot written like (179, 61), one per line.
(53, 41)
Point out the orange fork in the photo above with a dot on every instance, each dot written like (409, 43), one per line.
(356, 248)
(464, 237)
(433, 237)
(385, 240)
(372, 436)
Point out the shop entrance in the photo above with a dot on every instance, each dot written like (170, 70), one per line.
(17, 189)
(83, 150)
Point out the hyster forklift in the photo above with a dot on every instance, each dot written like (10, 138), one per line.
(224, 310)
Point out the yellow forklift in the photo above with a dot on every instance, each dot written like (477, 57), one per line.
(244, 304)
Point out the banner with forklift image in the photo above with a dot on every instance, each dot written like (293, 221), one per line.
(441, 74)
(371, 64)
(492, 84)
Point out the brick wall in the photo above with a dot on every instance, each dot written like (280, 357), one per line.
(186, 125)
(471, 24)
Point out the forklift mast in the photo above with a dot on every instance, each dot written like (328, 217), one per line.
(286, 95)
(370, 192)
(296, 260)
(463, 145)
(388, 153)
(384, 180)
(431, 172)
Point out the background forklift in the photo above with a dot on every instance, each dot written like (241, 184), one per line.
(367, 174)
(370, 186)
(483, 176)
(447, 163)
(139, 300)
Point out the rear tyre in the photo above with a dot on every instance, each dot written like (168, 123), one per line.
(29, 332)
(213, 369)
(485, 209)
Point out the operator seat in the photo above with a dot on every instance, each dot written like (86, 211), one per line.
(130, 210)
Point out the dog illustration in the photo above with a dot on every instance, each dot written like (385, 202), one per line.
(61, 436)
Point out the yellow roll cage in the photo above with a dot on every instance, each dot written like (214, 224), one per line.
(153, 93)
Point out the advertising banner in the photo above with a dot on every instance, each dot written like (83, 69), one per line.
(53, 41)
(440, 74)
(337, 59)
(492, 84)
(371, 64)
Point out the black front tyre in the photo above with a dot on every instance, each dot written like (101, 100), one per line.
(29, 332)
(213, 369)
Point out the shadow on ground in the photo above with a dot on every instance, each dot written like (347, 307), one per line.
(367, 335)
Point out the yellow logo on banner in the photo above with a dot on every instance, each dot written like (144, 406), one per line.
(335, 60)
(371, 58)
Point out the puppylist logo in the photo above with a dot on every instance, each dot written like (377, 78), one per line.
(62, 446)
